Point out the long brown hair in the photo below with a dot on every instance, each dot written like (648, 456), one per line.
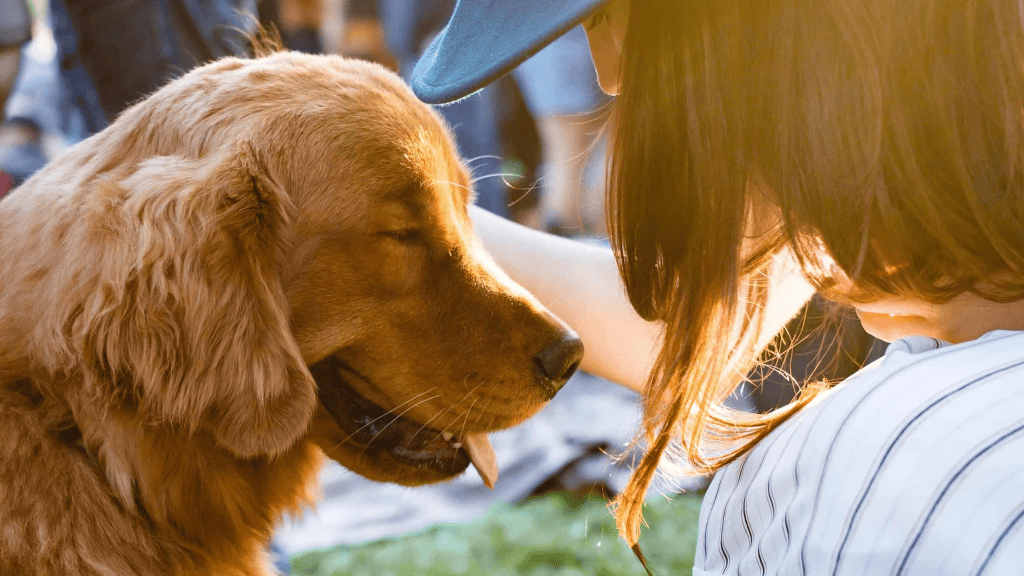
(886, 137)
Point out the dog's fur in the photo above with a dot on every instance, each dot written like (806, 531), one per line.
(167, 283)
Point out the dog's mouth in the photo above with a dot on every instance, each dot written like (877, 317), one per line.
(405, 440)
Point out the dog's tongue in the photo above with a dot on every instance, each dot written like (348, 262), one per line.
(481, 454)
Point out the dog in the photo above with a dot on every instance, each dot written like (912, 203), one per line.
(266, 261)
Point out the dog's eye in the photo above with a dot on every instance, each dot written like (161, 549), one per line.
(404, 235)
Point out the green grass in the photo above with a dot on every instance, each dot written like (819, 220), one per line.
(553, 535)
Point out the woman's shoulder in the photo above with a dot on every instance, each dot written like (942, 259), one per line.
(882, 472)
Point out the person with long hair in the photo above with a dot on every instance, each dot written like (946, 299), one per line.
(761, 150)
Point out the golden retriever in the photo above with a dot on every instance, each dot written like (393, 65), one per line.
(265, 261)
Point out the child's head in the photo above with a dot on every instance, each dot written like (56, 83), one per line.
(883, 141)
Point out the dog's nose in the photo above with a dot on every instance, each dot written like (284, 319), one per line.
(559, 360)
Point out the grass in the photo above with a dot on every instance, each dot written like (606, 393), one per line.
(553, 535)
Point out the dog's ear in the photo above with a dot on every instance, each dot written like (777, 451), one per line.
(191, 314)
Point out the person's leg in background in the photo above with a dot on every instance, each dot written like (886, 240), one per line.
(366, 36)
(79, 86)
(10, 58)
(560, 88)
(15, 30)
(474, 120)
(566, 143)
(38, 122)
(8, 70)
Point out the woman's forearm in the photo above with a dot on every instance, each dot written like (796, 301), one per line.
(580, 284)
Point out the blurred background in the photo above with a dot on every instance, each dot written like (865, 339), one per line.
(535, 146)
(532, 140)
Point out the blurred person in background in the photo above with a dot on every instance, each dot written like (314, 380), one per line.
(40, 119)
(561, 91)
(81, 73)
(300, 23)
(15, 30)
(114, 53)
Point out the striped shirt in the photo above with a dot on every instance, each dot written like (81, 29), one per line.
(914, 466)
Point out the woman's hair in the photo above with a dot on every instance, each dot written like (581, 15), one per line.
(884, 138)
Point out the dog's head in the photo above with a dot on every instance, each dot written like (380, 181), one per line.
(282, 251)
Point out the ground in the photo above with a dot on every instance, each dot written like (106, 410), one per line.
(553, 535)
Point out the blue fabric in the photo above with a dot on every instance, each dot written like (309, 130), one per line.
(485, 39)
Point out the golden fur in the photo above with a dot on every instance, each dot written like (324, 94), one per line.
(167, 283)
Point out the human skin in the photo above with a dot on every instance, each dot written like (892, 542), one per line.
(963, 318)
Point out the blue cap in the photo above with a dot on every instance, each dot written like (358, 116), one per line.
(485, 39)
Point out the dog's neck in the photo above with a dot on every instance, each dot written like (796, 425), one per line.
(189, 490)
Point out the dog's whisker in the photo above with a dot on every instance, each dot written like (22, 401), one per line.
(427, 391)
(456, 404)
(446, 410)
(496, 175)
(450, 407)
(484, 157)
(526, 192)
(431, 419)
(465, 419)
(481, 383)
(397, 416)
(391, 412)
(456, 184)
(484, 407)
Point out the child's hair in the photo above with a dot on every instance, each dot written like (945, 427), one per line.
(884, 137)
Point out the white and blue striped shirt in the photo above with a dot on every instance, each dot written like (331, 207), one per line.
(914, 466)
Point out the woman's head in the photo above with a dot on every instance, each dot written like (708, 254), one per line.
(883, 142)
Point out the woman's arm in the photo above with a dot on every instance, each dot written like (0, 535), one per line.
(580, 283)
